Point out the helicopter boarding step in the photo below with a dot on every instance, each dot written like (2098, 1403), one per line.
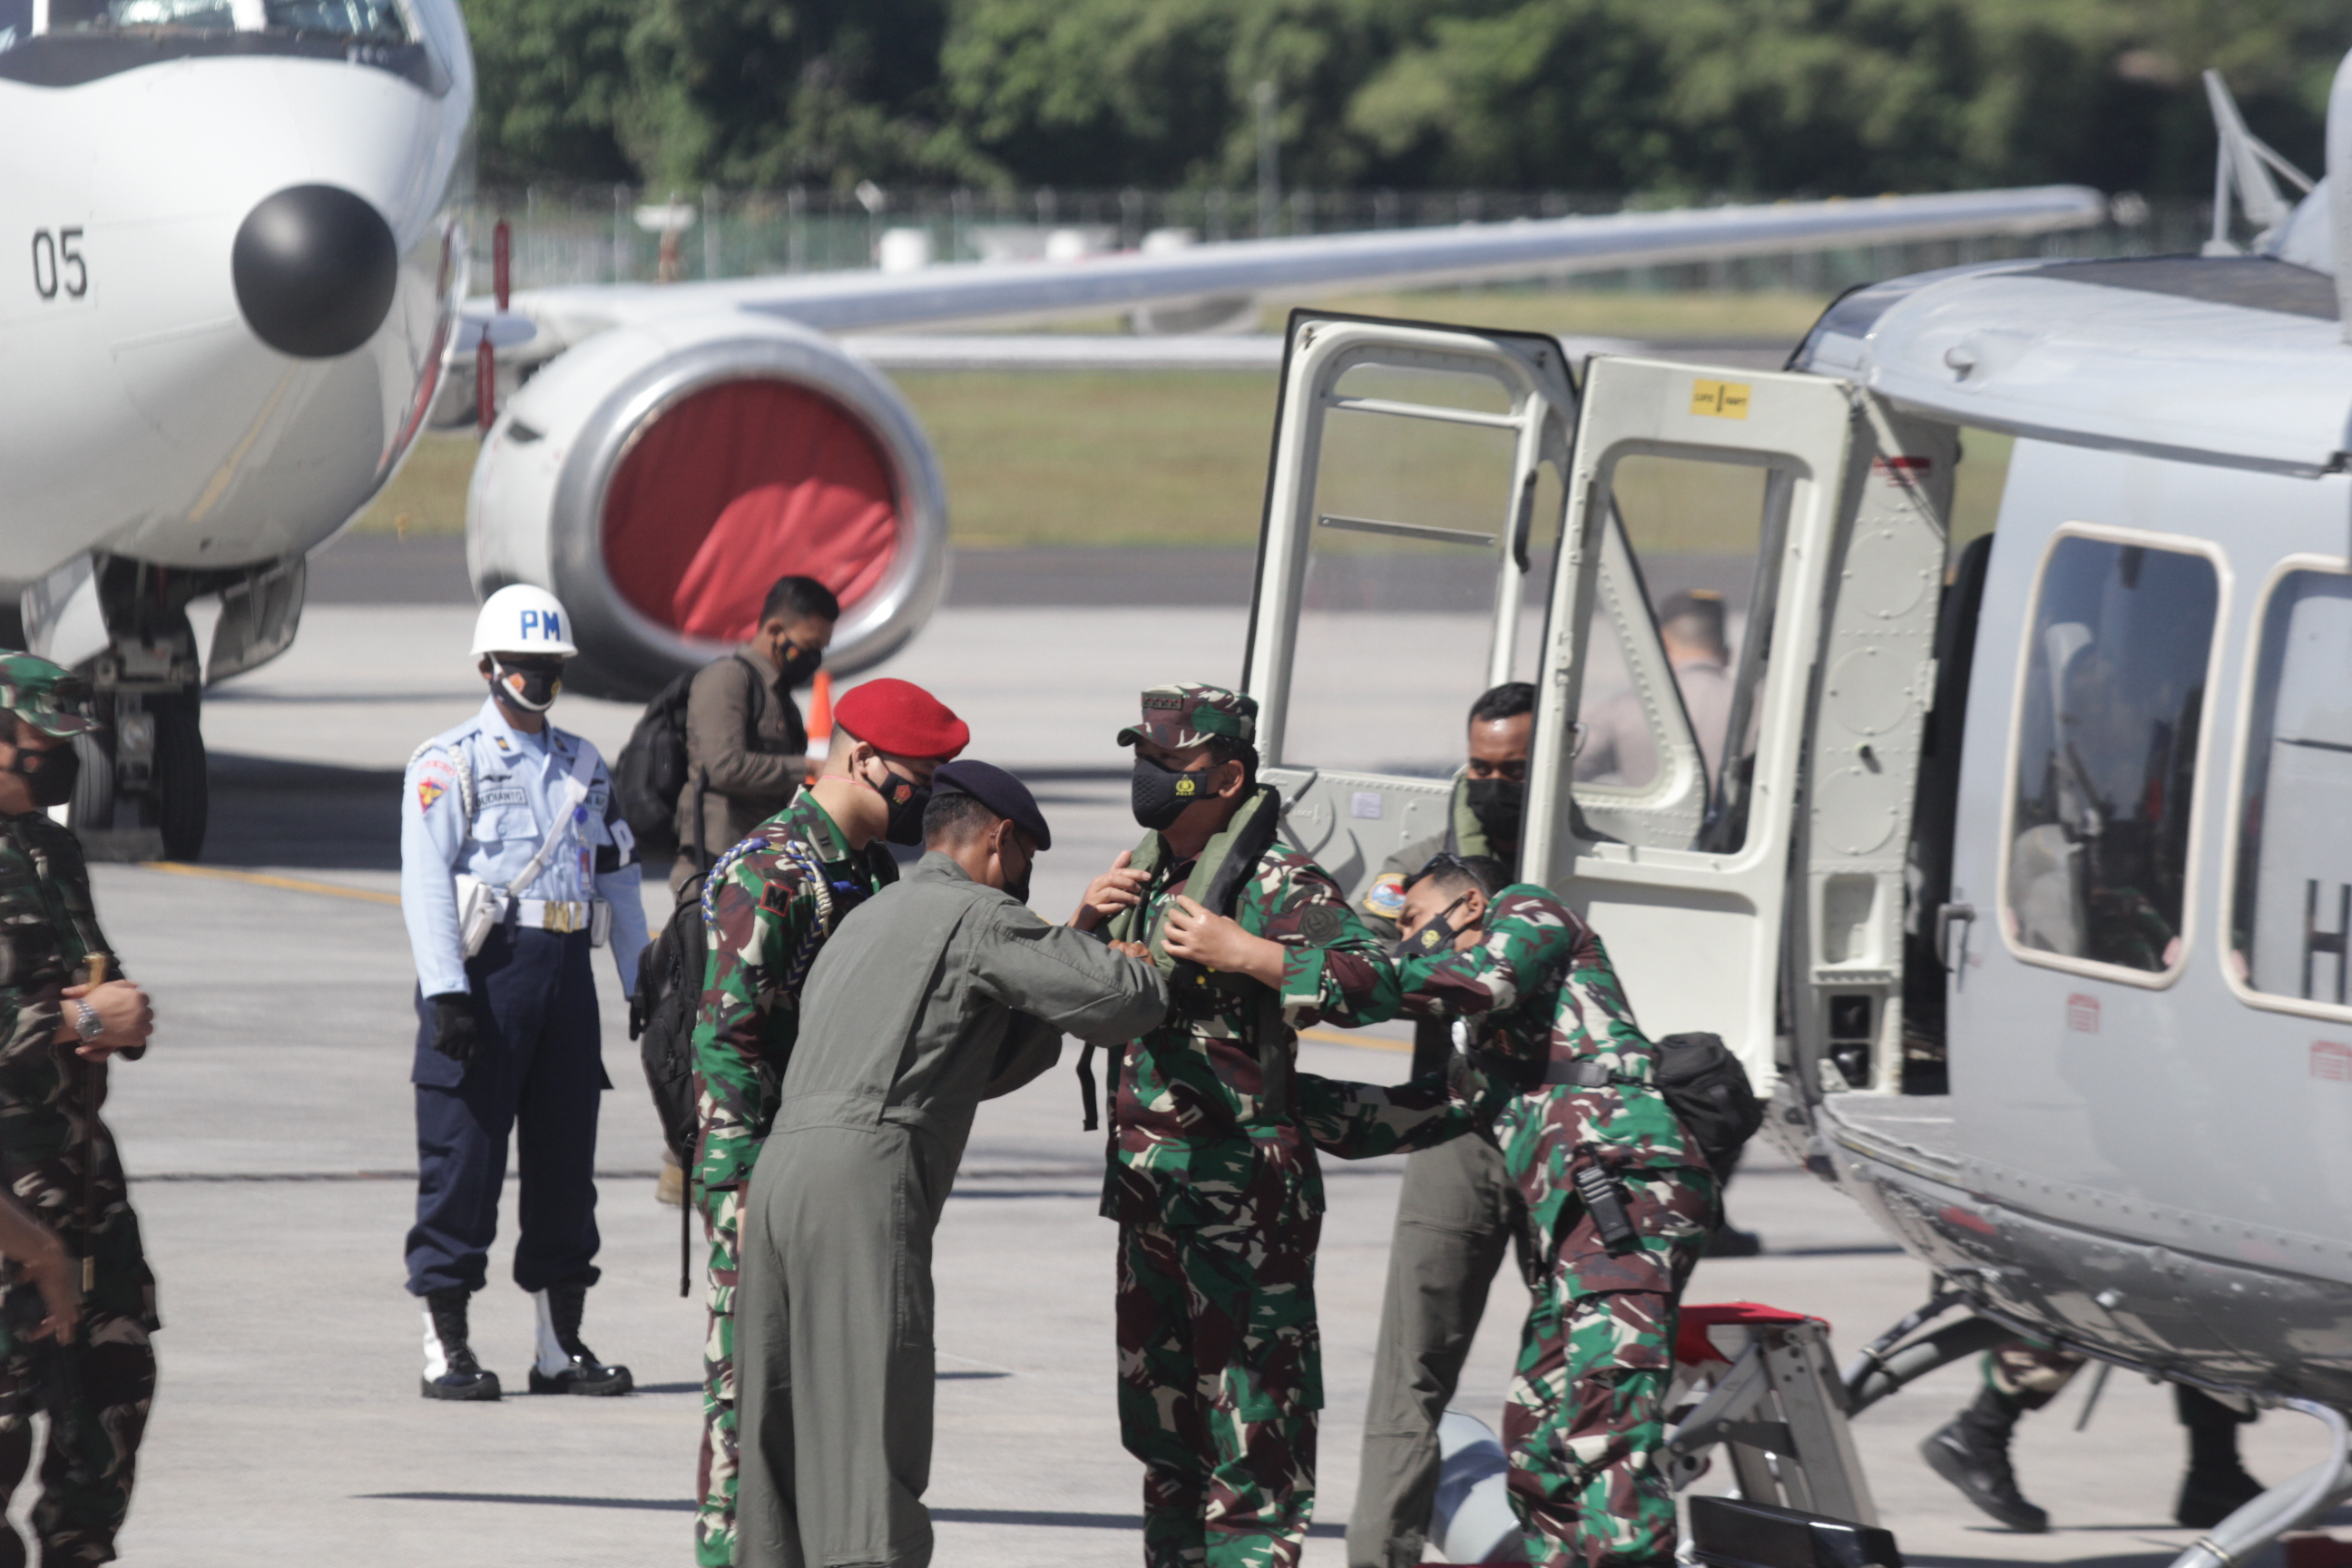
(1757, 1381)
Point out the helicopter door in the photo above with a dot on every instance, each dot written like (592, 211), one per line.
(1412, 515)
(1783, 584)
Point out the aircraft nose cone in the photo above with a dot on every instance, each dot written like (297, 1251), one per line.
(315, 267)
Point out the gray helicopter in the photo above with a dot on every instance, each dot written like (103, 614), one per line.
(2018, 868)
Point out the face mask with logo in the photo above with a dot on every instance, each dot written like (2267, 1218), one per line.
(49, 775)
(532, 687)
(1435, 937)
(906, 800)
(1499, 804)
(800, 665)
(1159, 793)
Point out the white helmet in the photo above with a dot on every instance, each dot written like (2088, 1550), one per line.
(520, 618)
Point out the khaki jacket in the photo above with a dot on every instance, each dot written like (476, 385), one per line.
(748, 775)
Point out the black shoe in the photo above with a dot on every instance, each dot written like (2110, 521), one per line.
(450, 1370)
(1730, 1242)
(1979, 1465)
(2209, 1497)
(565, 1363)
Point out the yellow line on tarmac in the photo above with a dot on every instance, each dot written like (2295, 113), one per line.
(1344, 1037)
(263, 879)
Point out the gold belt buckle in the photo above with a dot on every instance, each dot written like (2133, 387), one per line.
(563, 915)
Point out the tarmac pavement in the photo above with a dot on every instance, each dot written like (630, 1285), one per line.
(269, 1139)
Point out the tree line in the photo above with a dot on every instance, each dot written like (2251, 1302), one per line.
(1671, 99)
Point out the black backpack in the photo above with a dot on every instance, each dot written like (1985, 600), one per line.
(651, 771)
(1709, 1091)
(661, 1019)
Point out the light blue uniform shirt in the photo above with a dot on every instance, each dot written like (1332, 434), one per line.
(519, 797)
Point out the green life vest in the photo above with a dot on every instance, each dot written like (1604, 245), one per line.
(1225, 864)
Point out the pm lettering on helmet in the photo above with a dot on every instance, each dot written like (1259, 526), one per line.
(544, 624)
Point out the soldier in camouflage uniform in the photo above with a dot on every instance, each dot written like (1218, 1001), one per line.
(769, 904)
(59, 1157)
(1213, 1174)
(1585, 1416)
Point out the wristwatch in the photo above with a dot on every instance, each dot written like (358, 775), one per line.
(87, 1022)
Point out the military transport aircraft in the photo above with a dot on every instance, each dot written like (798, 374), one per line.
(2023, 875)
(242, 271)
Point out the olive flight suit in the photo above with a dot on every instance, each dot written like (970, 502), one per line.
(937, 993)
(768, 906)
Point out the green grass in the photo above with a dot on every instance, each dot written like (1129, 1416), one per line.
(1099, 456)
(429, 494)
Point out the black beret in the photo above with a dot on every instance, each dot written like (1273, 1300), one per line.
(997, 790)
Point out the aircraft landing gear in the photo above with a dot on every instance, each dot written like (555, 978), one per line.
(142, 794)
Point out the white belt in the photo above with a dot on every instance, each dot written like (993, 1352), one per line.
(556, 914)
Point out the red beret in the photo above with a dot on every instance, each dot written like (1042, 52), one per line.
(902, 719)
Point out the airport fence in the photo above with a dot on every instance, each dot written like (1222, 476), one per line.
(605, 234)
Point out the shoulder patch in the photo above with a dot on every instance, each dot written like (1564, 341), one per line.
(1321, 922)
(1385, 897)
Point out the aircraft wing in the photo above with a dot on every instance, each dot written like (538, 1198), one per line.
(1007, 293)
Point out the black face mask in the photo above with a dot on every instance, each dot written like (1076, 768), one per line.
(1159, 793)
(800, 666)
(540, 684)
(907, 799)
(1435, 937)
(50, 775)
(1499, 804)
(1019, 888)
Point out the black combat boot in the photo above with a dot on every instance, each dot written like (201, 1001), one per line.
(450, 1370)
(1972, 1453)
(564, 1365)
(2217, 1485)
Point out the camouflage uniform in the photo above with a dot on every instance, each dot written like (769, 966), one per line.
(1585, 1413)
(770, 904)
(1213, 1180)
(62, 1162)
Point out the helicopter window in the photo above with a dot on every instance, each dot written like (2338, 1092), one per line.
(2288, 924)
(2106, 753)
(1697, 530)
(1397, 608)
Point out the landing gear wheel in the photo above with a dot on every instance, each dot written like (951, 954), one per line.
(92, 805)
(181, 803)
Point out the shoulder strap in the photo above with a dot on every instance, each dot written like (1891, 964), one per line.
(575, 789)
(759, 696)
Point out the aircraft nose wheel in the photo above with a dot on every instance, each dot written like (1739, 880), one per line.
(173, 799)
(178, 802)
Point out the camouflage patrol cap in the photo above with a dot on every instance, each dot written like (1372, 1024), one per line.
(1188, 714)
(45, 696)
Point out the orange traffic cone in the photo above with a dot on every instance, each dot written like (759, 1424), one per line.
(820, 717)
(820, 722)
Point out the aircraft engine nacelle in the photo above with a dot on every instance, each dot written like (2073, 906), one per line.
(658, 478)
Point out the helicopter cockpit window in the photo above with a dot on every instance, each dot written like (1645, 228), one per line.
(2293, 901)
(372, 21)
(377, 21)
(91, 15)
(2106, 753)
